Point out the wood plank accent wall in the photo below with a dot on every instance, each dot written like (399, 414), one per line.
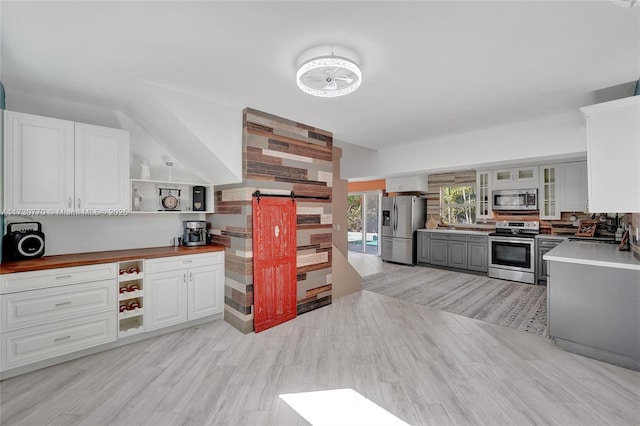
(437, 181)
(279, 155)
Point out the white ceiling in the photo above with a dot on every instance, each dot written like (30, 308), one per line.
(430, 68)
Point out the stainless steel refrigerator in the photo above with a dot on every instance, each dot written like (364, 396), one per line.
(401, 217)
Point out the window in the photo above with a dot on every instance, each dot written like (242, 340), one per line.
(458, 204)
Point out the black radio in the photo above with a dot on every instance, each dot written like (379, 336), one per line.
(24, 240)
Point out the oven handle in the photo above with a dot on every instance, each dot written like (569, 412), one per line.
(512, 240)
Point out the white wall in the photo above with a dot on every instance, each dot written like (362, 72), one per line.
(552, 138)
(77, 234)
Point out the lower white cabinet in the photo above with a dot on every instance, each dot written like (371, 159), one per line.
(56, 312)
(183, 288)
(33, 344)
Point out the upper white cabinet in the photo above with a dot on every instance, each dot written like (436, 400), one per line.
(416, 183)
(483, 194)
(39, 164)
(59, 164)
(613, 155)
(102, 167)
(548, 196)
(563, 188)
(573, 187)
(520, 177)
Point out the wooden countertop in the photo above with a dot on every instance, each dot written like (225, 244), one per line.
(81, 259)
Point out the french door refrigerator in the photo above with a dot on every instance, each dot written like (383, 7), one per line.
(401, 217)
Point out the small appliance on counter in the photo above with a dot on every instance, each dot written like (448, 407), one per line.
(195, 233)
(24, 240)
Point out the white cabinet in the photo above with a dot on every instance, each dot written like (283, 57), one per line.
(563, 188)
(55, 312)
(613, 155)
(102, 168)
(416, 183)
(59, 164)
(519, 177)
(483, 194)
(166, 303)
(549, 196)
(38, 161)
(573, 187)
(183, 288)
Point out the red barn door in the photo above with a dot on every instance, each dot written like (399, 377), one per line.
(274, 261)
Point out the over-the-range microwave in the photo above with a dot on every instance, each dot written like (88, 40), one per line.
(515, 199)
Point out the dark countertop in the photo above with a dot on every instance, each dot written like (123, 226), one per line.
(91, 258)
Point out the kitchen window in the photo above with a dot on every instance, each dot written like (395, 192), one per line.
(458, 204)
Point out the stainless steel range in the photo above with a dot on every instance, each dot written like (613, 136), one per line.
(512, 251)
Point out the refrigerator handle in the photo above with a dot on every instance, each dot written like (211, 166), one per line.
(395, 216)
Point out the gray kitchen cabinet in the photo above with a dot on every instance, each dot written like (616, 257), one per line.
(438, 252)
(477, 253)
(457, 254)
(423, 247)
(453, 249)
(543, 245)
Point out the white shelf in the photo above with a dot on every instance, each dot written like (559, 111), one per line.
(123, 278)
(128, 295)
(148, 191)
(131, 313)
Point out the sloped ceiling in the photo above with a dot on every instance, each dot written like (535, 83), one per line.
(430, 68)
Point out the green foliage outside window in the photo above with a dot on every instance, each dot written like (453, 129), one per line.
(458, 204)
(354, 213)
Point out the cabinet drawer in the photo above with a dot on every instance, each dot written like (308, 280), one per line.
(22, 281)
(478, 238)
(36, 307)
(548, 243)
(29, 345)
(174, 263)
(449, 237)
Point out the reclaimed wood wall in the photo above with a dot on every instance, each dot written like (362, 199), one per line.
(437, 181)
(279, 155)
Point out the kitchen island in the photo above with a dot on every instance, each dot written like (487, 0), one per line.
(593, 299)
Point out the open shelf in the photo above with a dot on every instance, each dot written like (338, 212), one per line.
(131, 276)
(130, 326)
(149, 191)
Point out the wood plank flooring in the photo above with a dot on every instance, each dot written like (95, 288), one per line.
(423, 365)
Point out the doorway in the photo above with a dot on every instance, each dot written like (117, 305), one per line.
(363, 221)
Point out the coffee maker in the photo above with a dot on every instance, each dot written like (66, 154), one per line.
(195, 233)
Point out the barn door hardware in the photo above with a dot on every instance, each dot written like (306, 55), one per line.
(292, 195)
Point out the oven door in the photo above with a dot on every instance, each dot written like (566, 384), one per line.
(516, 254)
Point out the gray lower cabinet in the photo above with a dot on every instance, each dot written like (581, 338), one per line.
(477, 255)
(543, 245)
(453, 250)
(423, 247)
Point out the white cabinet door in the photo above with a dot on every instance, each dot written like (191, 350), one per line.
(39, 162)
(102, 167)
(165, 301)
(613, 150)
(521, 177)
(549, 196)
(483, 195)
(206, 291)
(573, 181)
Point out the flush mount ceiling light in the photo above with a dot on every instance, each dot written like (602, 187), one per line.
(328, 71)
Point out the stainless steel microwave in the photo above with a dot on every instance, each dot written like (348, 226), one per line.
(515, 199)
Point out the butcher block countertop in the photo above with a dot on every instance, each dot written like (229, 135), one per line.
(91, 258)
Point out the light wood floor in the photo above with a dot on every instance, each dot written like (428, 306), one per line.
(423, 365)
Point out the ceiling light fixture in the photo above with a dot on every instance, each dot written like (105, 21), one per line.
(328, 71)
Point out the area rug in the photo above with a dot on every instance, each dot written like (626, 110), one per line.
(506, 303)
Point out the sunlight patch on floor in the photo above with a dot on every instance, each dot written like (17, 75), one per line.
(340, 407)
